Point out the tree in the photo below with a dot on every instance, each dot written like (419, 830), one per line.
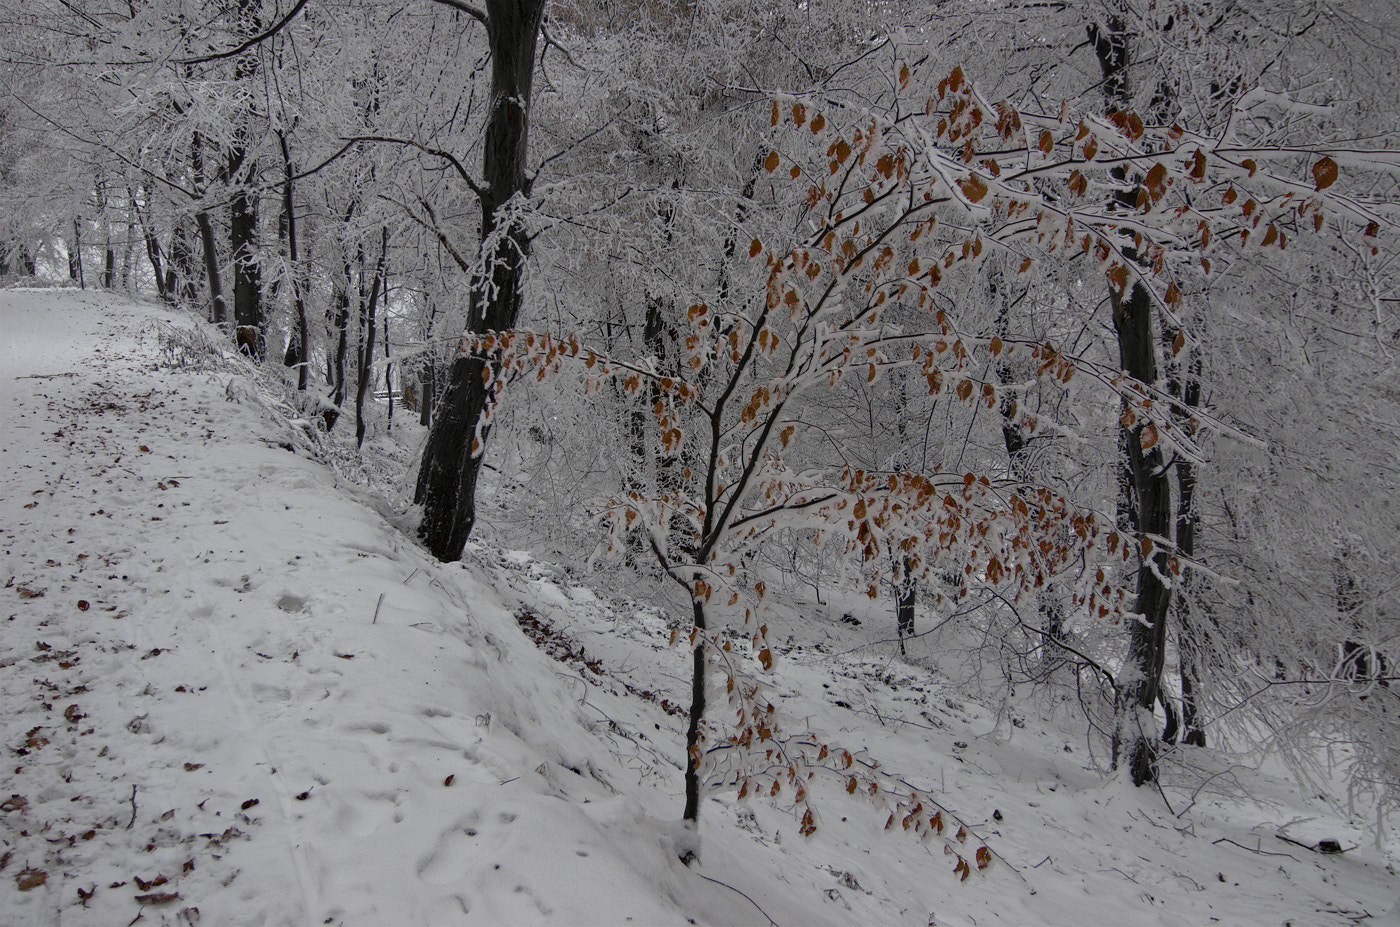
(452, 459)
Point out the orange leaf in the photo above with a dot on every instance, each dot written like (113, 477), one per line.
(1149, 436)
(1025, 266)
(1325, 173)
(799, 114)
(965, 390)
(765, 656)
(754, 247)
(1047, 142)
(770, 163)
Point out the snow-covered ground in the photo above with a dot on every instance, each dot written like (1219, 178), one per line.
(236, 691)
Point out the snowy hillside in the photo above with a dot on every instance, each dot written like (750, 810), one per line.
(236, 691)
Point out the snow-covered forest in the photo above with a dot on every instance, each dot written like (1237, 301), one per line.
(825, 462)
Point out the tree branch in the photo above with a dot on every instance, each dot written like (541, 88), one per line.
(461, 7)
(447, 156)
(203, 59)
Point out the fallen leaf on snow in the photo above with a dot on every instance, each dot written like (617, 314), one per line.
(30, 878)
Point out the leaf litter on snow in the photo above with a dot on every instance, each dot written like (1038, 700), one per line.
(503, 743)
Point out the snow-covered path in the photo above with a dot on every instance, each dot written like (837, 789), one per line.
(229, 695)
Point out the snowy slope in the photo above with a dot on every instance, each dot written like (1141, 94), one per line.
(235, 691)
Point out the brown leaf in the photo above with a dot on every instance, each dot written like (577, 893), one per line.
(973, 188)
(158, 898)
(771, 162)
(248, 804)
(15, 803)
(1325, 172)
(30, 878)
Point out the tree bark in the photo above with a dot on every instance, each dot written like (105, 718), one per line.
(243, 209)
(1140, 678)
(693, 752)
(1135, 741)
(367, 321)
(298, 353)
(453, 457)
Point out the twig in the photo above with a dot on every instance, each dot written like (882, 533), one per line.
(1259, 851)
(735, 890)
(376, 608)
(132, 822)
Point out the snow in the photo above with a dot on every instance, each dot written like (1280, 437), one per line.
(236, 691)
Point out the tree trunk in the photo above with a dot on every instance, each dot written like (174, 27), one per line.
(180, 269)
(340, 325)
(905, 590)
(75, 257)
(693, 751)
(1135, 738)
(453, 457)
(219, 312)
(1185, 387)
(1140, 677)
(243, 209)
(367, 321)
(297, 349)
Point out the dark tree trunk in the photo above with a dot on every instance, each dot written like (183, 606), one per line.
(153, 252)
(693, 752)
(905, 591)
(1134, 741)
(367, 321)
(1184, 385)
(1141, 675)
(340, 326)
(453, 457)
(218, 311)
(427, 383)
(297, 348)
(75, 257)
(180, 269)
(243, 210)
(388, 367)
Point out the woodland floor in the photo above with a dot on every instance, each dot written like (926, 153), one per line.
(235, 690)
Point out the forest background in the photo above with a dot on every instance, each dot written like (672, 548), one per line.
(1071, 323)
